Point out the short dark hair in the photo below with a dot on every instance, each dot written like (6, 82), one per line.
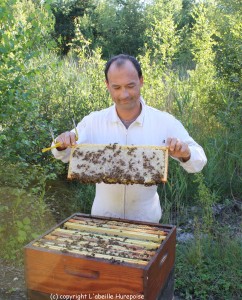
(120, 59)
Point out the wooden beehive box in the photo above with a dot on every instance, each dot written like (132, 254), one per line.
(97, 257)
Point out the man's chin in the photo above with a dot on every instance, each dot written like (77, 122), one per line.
(126, 104)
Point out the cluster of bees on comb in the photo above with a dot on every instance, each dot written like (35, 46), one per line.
(117, 164)
(115, 241)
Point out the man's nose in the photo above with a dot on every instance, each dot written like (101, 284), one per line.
(124, 93)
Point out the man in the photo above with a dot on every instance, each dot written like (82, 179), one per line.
(131, 121)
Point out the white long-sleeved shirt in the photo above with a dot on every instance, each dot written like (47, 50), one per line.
(152, 127)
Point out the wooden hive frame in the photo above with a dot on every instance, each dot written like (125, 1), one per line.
(105, 239)
(113, 163)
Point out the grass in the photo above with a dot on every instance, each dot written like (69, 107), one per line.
(209, 268)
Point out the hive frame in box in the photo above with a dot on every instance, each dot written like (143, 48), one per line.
(49, 272)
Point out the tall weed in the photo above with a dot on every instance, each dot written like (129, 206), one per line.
(174, 195)
(206, 199)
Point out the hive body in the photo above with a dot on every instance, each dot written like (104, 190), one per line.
(100, 257)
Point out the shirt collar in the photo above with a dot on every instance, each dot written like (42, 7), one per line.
(114, 118)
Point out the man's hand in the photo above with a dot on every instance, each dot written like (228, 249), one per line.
(66, 139)
(178, 149)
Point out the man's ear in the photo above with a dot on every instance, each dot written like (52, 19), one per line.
(107, 84)
(141, 80)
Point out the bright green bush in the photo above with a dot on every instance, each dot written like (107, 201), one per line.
(25, 34)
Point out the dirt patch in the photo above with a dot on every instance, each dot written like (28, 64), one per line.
(12, 282)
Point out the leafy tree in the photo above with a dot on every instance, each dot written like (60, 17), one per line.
(119, 27)
(115, 26)
(185, 17)
(202, 40)
(65, 12)
(162, 36)
(228, 49)
(185, 21)
(25, 33)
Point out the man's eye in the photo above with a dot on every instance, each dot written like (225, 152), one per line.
(131, 86)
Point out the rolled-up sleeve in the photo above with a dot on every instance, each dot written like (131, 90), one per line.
(198, 157)
(197, 160)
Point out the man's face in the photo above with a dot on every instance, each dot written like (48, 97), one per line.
(124, 85)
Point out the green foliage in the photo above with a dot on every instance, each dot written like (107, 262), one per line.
(203, 77)
(206, 199)
(17, 110)
(23, 211)
(155, 89)
(119, 27)
(115, 26)
(209, 265)
(223, 172)
(20, 21)
(228, 50)
(208, 269)
(174, 195)
(65, 197)
(57, 91)
(65, 13)
(162, 36)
